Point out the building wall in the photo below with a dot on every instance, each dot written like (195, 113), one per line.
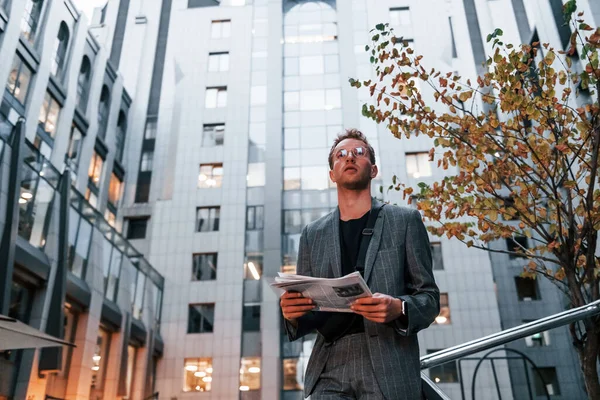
(89, 307)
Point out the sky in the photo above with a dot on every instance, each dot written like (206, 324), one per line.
(87, 6)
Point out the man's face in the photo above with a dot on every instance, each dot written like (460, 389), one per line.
(352, 170)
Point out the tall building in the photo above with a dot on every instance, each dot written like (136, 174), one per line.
(214, 119)
(65, 267)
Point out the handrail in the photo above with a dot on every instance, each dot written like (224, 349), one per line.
(509, 335)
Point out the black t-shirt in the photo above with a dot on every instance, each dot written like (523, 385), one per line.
(338, 325)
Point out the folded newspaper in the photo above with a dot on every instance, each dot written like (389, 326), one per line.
(328, 294)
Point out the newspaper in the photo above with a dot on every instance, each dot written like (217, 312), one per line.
(328, 294)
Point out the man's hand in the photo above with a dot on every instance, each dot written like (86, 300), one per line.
(379, 308)
(294, 305)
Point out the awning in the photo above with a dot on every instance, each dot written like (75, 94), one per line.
(17, 335)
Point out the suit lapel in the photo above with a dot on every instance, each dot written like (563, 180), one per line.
(375, 240)
(335, 246)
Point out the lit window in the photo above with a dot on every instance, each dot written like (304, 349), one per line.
(547, 383)
(444, 317)
(256, 174)
(250, 374)
(418, 165)
(400, 16)
(210, 176)
(146, 162)
(95, 170)
(445, 373)
(436, 253)
(31, 19)
(213, 135)
(49, 113)
(291, 369)
(527, 289)
(253, 266)
(99, 360)
(220, 29)
(537, 339)
(19, 79)
(201, 318)
(207, 219)
(114, 189)
(198, 374)
(218, 62)
(216, 97)
(204, 267)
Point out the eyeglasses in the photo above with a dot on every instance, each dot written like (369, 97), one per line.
(356, 152)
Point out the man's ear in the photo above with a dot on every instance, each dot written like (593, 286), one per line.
(374, 171)
(331, 176)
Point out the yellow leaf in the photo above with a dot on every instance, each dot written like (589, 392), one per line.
(549, 59)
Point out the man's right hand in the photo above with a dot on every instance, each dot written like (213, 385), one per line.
(294, 305)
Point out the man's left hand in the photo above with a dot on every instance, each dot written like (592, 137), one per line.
(379, 308)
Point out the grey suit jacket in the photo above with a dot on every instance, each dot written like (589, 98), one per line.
(398, 263)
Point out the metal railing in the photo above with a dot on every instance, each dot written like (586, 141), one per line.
(498, 339)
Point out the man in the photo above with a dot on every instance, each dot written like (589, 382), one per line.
(372, 353)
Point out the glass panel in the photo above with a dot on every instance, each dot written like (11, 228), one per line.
(114, 189)
(139, 295)
(207, 219)
(204, 267)
(251, 318)
(95, 170)
(213, 135)
(210, 176)
(291, 178)
(314, 178)
(418, 165)
(256, 174)
(312, 65)
(250, 374)
(80, 255)
(113, 279)
(201, 318)
(258, 95)
(197, 374)
(253, 266)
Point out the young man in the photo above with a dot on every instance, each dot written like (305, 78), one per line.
(372, 353)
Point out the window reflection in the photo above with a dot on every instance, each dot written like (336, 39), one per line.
(210, 176)
(49, 112)
(249, 374)
(418, 165)
(114, 189)
(95, 170)
(19, 79)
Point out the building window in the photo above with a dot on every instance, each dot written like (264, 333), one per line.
(254, 218)
(75, 142)
(95, 170)
(527, 289)
(436, 253)
(220, 29)
(114, 189)
(548, 384)
(251, 318)
(201, 318)
(80, 239)
(452, 40)
(83, 81)
(49, 113)
(290, 374)
(444, 317)
(111, 257)
(400, 16)
(198, 374)
(60, 50)
(150, 129)
(218, 62)
(136, 227)
(516, 244)
(445, 373)
(537, 339)
(216, 97)
(256, 174)
(253, 266)
(146, 161)
(31, 19)
(250, 374)
(258, 95)
(120, 138)
(204, 267)
(418, 165)
(213, 135)
(103, 110)
(210, 176)
(207, 219)
(99, 361)
(19, 79)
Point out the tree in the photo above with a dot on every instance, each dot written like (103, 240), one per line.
(524, 143)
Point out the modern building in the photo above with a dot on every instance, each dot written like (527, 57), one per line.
(66, 269)
(217, 126)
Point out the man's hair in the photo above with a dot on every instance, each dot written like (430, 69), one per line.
(351, 134)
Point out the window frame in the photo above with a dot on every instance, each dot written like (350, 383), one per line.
(212, 210)
(129, 220)
(201, 328)
(195, 269)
